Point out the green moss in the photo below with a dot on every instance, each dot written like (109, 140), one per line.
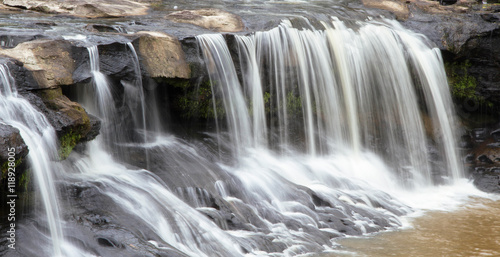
(462, 84)
(67, 142)
(21, 179)
(197, 101)
(175, 82)
(25, 181)
(293, 104)
(5, 166)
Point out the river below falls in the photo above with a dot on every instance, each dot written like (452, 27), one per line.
(471, 230)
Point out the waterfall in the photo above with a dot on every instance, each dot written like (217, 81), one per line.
(332, 80)
(41, 140)
(323, 143)
(143, 195)
(135, 93)
(325, 128)
(222, 70)
(105, 103)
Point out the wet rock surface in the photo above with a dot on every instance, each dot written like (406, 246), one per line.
(482, 159)
(399, 9)
(487, 179)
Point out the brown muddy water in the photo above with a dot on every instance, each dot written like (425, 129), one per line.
(472, 230)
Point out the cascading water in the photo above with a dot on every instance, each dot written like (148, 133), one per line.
(135, 93)
(346, 101)
(326, 82)
(105, 104)
(142, 195)
(40, 137)
(323, 143)
(221, 69)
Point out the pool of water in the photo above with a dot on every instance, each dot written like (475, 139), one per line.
(471, 230)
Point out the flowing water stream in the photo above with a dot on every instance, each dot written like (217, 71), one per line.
(321, 134)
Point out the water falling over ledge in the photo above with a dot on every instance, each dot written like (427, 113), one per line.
(325, 136)
(355, 89)
(40, 137)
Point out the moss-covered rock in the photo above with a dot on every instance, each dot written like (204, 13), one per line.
(462, 84)
(193, 100)
(474, 107)
(67, 142)
(71, 122)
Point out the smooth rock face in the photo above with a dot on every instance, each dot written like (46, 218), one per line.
(161, 55)
(213, 19)
(83, 8)
(49, 61)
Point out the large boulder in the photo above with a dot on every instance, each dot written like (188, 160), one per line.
(84, 8)
(49, 61)
(213, 19)
(161, 55)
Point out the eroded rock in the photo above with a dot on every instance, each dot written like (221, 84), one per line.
(71, 122)
(49, 61)
(213, 19)
(84, 8)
